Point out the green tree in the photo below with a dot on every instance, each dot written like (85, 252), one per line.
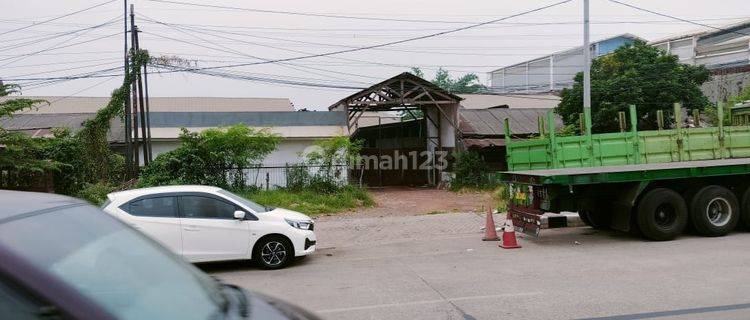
(18, 151)
(713, 114)
(211, 157)
(636, 74)
(468, 83)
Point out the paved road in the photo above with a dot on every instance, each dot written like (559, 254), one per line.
(435, 267)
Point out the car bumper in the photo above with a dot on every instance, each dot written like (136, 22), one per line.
(305, 243)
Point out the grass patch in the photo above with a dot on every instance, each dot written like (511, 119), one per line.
(312, 202)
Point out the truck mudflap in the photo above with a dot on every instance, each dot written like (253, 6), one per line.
(525, 220)
(525, 207)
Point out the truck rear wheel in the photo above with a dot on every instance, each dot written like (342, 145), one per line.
(591, 214)
(714, 211)
(661, 214)
(745, 214)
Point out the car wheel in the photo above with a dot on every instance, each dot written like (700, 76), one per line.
(745, 211)
(661, 214)
(714, 211)
(273, 252)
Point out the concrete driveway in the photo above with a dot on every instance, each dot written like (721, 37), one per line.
(436, 267)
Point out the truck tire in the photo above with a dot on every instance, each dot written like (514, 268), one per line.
(661, 214)
(583, 214)
(591, 214)
(745, 209)
(596, 220)
(714, 211)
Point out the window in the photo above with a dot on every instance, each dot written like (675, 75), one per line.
(153, 207)
(252, 205)
(16, 305)
(115, 267)
(205, 207)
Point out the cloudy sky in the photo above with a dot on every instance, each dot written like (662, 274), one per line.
(227, 32)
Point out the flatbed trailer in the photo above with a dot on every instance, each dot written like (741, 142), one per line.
(706, 187)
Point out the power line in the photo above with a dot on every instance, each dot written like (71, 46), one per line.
(393, 42)
(225, 49)
(53, 47)
(59, 63)
(496, 25)
(307, 14)
(58, 70)
(79, 91)
(235, 76)
(66, 53)
(56, 35)
(57, 18)
(677, 18)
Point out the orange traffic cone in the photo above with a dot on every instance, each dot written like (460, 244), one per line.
(490, 234)
(509, 235)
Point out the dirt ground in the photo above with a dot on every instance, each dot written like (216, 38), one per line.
(403, 201)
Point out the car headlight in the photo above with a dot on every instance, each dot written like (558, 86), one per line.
(300, 224)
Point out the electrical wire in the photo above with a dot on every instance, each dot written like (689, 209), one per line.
(677, 18)
(56, 18)
(390, 43)
(34, 40)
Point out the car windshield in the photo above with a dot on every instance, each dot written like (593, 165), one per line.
(243, 201)
(126, 273)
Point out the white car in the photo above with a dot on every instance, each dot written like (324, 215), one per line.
(203, 223)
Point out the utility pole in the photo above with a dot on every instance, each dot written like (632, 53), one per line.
(148, 113)
(135, 100)
(142, 111)
(587, 79)
(128, 130)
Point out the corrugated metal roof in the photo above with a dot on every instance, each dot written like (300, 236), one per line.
(308, 132)
(252, 119)
(161, 104)
(485, 101)
(40, 125)
(489, 122)
(166, 124)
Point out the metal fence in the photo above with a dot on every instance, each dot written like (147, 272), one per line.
(274, 177)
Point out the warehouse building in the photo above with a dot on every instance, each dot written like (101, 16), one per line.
(725, 51)
(299, 129)
(553, 72)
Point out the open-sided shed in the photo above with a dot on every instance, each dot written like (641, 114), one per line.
(437, 113)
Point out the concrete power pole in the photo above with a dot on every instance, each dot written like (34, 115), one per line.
(587, 78)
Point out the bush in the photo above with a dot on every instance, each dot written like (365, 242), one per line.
(329, 156)
(470, 171)
(500, 198)
(212, 157)
(96, 193)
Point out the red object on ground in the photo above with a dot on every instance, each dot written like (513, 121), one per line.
(490, 234)
(509, 235)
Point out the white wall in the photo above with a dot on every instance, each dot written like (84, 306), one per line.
(287, 152)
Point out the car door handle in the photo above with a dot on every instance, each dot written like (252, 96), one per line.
(191, 228)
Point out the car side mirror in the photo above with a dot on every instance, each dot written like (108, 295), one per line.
(239, 214)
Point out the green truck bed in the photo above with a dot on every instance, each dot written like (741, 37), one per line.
(626, 148)
(630, 173)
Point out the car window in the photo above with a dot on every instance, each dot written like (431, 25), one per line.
(153, 207)
(205, 207)
(241, 200)
(116, 267)
(15, 304)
